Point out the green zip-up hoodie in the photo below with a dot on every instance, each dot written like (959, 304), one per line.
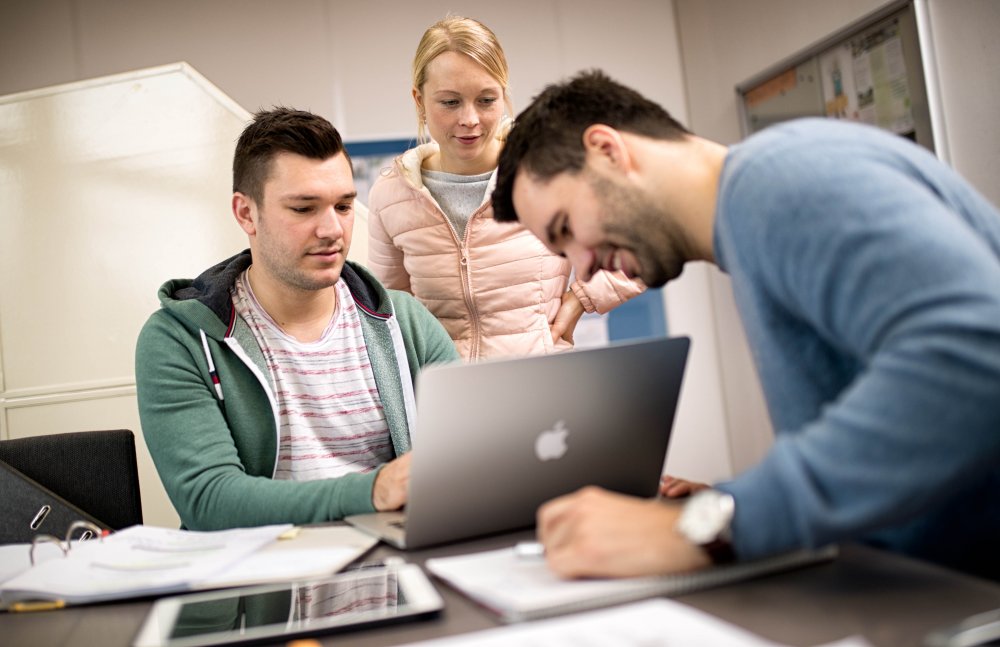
(209, 414)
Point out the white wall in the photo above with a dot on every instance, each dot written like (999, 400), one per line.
(107, 188)
(965, 36)
(349, 61)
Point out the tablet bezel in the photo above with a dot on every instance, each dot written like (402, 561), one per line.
(420, 596)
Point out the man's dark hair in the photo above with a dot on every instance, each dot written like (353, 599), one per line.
(280, 130)
(547, 138)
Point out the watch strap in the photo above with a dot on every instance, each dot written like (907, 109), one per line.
(720, 551)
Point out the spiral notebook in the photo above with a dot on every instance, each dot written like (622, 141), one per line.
(519, 588)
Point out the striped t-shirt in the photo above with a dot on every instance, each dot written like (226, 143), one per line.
(331, 416)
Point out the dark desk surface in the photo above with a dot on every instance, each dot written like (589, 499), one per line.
(890, 600)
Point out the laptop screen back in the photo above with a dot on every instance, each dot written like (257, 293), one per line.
(498, 438)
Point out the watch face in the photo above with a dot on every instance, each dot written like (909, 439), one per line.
(706, 516)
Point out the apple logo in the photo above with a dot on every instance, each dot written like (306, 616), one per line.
(551, 443)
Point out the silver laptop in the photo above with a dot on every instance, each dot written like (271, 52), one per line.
(498, 438)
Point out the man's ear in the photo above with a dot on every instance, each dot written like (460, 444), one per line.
(243, 210)
(604, 146)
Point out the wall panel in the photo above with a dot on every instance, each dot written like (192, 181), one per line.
(108, 187)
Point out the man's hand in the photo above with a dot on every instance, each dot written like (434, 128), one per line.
(392, 484)
(570, 311)
(596, 533)
(674, 488)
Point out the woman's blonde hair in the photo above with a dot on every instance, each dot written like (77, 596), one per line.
(465, 36)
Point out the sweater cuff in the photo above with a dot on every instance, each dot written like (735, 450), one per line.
(354, 495)
(606, 291)
(762, 524)
(585, 300)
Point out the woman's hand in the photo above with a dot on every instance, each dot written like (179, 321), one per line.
(570, 311)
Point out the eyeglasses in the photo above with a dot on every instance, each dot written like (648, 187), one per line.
(89, 531)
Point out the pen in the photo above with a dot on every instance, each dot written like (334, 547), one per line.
(140, 566)
(389, 562)
(527, 549)
(39, 605)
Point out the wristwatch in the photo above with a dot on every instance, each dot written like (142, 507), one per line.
(705, 522)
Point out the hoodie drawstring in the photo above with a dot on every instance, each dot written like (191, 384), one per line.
(211, 366)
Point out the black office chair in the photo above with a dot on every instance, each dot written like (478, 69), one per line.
(52, 480)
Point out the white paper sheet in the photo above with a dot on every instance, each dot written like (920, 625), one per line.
(141, 560)
(314, 552)
(653, 623)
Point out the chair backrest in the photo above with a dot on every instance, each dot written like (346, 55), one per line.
(95, 471)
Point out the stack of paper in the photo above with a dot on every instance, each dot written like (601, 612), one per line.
(143, 561)
(521, 588)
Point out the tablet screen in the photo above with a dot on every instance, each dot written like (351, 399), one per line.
(238, 616)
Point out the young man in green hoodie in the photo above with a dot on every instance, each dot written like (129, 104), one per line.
(277, 387)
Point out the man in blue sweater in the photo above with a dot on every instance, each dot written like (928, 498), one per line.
(867, 276)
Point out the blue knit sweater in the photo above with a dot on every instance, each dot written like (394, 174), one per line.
(867, 276)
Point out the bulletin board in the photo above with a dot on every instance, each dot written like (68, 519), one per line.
(870, 72)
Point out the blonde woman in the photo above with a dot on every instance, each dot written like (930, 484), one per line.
(497, 290)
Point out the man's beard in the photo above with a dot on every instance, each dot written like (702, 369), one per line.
(282, 264)
(632, 221)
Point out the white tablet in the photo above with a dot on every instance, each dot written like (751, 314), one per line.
(278, 612)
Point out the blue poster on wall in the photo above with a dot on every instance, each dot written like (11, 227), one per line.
(369, 157)
(638, 318)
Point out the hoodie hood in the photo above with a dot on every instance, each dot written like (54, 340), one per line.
(205, 302)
